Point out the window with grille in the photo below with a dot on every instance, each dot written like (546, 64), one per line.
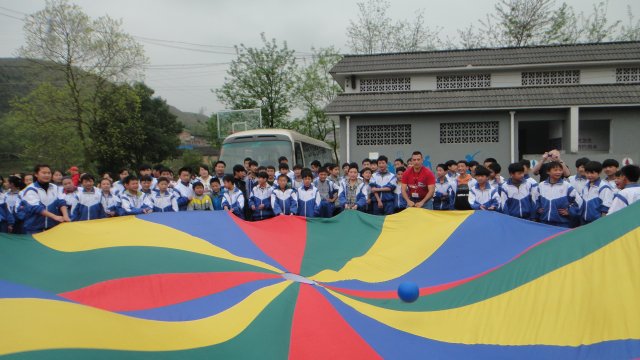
(385, 84)
(628, 75)
(472, 81)
(542, 78)
(469, 132)
(383, 134)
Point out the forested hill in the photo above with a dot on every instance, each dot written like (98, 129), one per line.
(18, 77)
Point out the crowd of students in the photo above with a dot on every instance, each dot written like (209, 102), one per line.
(31, 203)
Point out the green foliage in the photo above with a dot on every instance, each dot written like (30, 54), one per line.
(88, 53)
(191, 159)
(159, 126)
(261, 77)
(41, 129)
(316, 89)
(132, 128)
(118, 131)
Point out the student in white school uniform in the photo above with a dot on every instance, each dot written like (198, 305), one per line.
(284, 200)
(110, 202)
(183, 189)
(41, 205)
(579, 180)
(482, 196)
(233, 198)
(308, 196)
(557, 202)
(134, 202)
(260, 199)
(596, 195)
(163, 198)
(383, 184)
(610, 167)
(630, 194)
(88, 201)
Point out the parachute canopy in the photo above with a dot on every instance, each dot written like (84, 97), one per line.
(205, 285)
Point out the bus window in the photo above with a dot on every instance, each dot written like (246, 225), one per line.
(313, 152)
(264, 152)
(298, 155)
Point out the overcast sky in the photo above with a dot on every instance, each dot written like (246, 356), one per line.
(221, 24)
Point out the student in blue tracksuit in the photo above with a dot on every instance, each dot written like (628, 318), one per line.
(515, 194)
(328, 191)
(13, 200)
(308, 196)
(110, 202)
(353, 191)
(481, 195)
(556, 201)
(42, 204)
(383, 184)
(183, 189)
(284, 200)
(579, 180)
(596, 194)
(88, 204)
(233, 198)
(260, 199)
(216, 194)
(400, 202)
(6, 214)
(630, 192)
(527, 170)
(163, 198)
(445, 194)
(134, 202)
(118, 186)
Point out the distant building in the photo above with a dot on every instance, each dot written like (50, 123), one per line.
(200, 145)
(506, 103)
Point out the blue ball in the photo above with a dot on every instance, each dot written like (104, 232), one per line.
(408, 291)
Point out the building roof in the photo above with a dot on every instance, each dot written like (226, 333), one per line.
(530, 55)
(477, 99)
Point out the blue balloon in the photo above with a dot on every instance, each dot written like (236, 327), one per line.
(408, 291)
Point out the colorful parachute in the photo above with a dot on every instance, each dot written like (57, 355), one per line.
(206, 285)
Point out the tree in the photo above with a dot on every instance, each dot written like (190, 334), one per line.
(159, 125)
(376, 32)
(133, 128)
(40, 128)
(118, 129)
(542, 22)
(518, 22)
(89, 53)
(316, 89)
(631, 30)
(261, 77)
(596, 27)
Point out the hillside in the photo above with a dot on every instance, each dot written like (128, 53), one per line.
(18, 77)
(193, 122)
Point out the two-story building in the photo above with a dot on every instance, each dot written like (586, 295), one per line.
(507, 103)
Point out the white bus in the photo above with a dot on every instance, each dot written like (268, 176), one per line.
(266, 145)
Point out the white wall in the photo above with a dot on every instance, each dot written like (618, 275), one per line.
(500, 79)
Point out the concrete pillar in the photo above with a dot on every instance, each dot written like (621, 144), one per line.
(512, 129)
(574, 121)
(348, 132)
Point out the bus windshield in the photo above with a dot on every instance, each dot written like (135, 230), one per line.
(264, 152)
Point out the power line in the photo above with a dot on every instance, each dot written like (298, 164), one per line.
(12, 10)
(11, 16)
(183, 42)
